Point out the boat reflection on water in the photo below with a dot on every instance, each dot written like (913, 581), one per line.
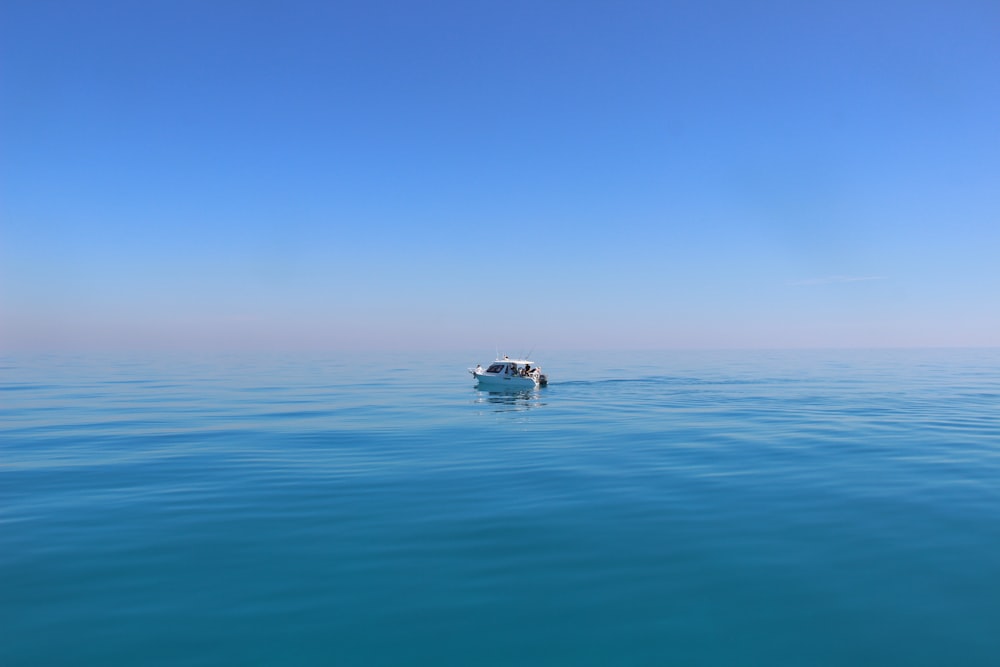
(509, 401)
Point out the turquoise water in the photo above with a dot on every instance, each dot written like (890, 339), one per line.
(758, 508)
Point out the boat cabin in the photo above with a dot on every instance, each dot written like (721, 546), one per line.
(511, 368)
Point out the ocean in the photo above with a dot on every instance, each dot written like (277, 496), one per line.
(646, 508)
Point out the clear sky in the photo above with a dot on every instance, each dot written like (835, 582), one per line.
(548, 175)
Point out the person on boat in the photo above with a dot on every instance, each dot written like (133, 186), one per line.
(527, 370)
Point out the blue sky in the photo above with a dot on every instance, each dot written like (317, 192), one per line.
(548, 175)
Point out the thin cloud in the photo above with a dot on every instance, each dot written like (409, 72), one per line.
(833, 280)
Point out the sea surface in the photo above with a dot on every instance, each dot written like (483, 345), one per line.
(667, 508)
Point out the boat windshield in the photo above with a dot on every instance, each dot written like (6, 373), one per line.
(495, 368)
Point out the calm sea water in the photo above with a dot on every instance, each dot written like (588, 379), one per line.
(778, 508)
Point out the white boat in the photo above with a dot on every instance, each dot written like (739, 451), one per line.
(510, 374)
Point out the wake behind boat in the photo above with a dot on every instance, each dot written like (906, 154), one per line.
(509, 373)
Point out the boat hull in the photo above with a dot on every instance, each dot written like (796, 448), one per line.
(504, 381)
